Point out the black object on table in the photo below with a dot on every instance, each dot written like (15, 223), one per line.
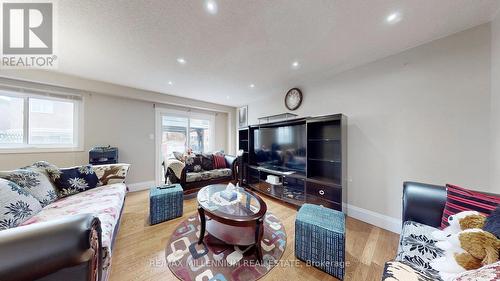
(100, 155)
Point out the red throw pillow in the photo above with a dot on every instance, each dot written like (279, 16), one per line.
(459, 199)
(219, 161)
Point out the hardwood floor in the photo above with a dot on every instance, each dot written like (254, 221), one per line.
(139, 252)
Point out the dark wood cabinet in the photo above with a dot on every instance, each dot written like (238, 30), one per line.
(324, 180)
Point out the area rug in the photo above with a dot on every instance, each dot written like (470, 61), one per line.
(213, 260)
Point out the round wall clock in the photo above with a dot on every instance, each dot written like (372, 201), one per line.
(293, 98)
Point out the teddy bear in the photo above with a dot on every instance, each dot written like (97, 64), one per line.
(469, 249)
(458, 222)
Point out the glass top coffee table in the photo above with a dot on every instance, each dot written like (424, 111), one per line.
(235, 221)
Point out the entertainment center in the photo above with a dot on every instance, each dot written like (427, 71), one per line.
(303, 160)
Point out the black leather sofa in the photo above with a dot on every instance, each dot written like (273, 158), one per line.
(424, 203)
(65, 249)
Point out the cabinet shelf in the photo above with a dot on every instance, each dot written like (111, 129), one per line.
(324, 180)
(325, 160)
(323, 140)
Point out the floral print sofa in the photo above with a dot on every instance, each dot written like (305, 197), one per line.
(43, 200)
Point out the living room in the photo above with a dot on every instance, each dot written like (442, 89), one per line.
(231, 140)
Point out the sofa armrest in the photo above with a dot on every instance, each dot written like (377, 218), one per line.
(231, 164)
(423, 203)
(68, 248)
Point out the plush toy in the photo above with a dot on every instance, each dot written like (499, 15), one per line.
(458, 222)
(466, 250)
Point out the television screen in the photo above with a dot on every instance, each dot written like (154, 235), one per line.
(281, 148)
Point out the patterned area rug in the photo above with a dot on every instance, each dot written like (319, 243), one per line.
(214, 260)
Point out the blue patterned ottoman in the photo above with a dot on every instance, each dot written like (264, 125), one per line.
(320, 238)
(165, 204)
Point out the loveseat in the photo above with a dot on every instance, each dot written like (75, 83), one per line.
(423, 206)
(191, 177)
(70, 238)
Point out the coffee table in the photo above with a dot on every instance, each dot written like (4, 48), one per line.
(236, 222)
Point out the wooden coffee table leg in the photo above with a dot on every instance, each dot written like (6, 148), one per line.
(259, 232)
(203, 223)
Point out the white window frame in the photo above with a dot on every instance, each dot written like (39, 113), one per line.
(25, 147)
(178, 113)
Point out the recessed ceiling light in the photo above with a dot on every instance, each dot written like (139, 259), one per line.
(394, 17)
(228, 97)
(295, 65)
(252, 86)
(211, 6)
(181, 60)
(170, 83)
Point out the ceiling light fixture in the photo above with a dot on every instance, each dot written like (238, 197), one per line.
(211, 6)
(393, 18)
(295, 65)
(170, 83)
(181, 61)
(252, 86)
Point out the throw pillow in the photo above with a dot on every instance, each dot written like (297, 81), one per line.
(76, 179)
(492, 224)
(35, 181)
(16, 204)
(207, 162)
(490, 272)
(401, 271)
(51, 169)
(219, 161)
(112, 173)
(460, 199)
(193, 163)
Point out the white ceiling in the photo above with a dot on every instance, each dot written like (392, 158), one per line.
(136, 43)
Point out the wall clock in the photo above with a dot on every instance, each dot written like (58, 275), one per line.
(293, 98)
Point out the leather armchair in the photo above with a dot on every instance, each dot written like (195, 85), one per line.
(65, 249)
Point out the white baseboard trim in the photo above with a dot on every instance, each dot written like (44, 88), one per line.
(138, 186)
(382, 221)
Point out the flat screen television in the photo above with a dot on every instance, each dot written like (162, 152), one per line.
(281, 148)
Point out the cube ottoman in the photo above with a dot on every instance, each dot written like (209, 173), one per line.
(320, 238)
(165, 203)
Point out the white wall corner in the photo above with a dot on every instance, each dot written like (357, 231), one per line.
(132, 187)
(382, 221)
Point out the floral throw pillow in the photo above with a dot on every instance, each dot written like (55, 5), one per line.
(16, 205)
(193, 163)
(51, 169)
(34, 181)
(76, 179)
(111, 173)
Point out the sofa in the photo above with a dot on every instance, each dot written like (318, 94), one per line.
(423, 206)
(178, 170)
(70, 238)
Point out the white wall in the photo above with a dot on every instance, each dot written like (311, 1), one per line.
(122, 117)
(495, 104)
(420, 115)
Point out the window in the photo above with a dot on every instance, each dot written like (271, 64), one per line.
(174, 134)
(32, 122)
(180, 131)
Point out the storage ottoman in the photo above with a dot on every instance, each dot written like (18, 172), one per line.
(320, 238)
(165, 203)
